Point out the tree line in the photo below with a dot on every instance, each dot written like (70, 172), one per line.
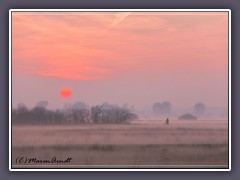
(78, 113)
(165, 108)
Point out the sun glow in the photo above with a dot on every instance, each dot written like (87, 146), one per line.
(66, 92)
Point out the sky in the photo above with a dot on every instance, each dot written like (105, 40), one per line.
(134, 58)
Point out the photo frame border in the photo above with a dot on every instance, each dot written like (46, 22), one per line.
(120, 10)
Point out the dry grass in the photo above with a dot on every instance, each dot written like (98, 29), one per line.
(139, 143)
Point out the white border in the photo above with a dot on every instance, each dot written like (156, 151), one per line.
(229, 87)
(10, 89)
(120, 10)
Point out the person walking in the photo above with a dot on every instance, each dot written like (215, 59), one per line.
(167, 121)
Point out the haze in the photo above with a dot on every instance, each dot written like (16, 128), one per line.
(136, 58)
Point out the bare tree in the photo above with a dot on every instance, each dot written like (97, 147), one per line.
(42, 104)
(80, 105)
(105, 113)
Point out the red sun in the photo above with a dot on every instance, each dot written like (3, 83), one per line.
(66, 92)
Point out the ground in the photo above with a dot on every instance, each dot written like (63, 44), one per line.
(142, 143)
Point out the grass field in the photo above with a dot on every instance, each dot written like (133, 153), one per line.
(143, 143)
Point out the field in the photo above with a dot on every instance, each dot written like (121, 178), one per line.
(140, 144)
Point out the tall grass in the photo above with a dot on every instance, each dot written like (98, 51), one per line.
(150, 143)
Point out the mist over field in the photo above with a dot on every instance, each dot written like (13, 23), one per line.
(81, 112)
(107, 136)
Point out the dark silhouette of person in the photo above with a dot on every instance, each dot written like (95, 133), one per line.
(167, 121)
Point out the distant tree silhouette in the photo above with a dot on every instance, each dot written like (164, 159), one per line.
(166, 108)
(187, 117)
(162, 109)
(20, 114)
(199, 108)
(105, 113)
(79, 105)
(157, 108)
(22, 106)
(42, 104)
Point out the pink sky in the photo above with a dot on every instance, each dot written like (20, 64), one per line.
(120, 57)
